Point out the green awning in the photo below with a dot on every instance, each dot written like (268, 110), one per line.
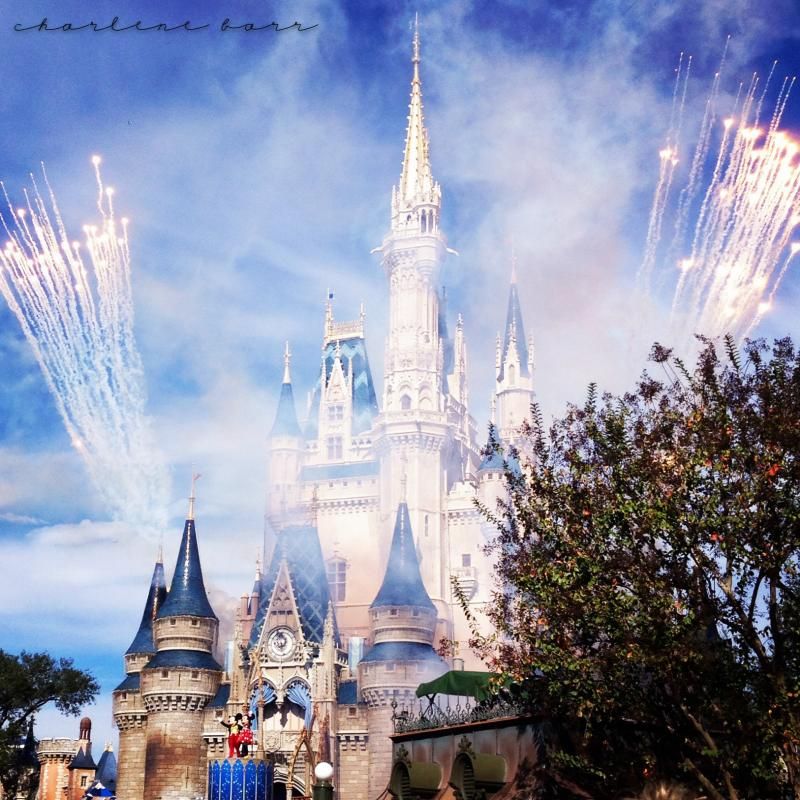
(458, 682)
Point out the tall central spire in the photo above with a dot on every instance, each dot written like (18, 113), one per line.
(417, 186)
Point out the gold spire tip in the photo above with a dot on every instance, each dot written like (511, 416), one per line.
(287, 357)
(192, 497)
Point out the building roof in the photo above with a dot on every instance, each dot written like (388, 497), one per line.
(192, 659)
(143, 641)
(515, 329)
(82, 760)
(107, 769)
(187, 594)
(286, 423)
(220, 699)
(353, 352)
(28, 757)
(401, 651)
(130, 684)
(492, 454)
(299, 547)
(402, 583)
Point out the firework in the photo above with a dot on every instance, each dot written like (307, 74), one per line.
(746, 202)
(76, 312)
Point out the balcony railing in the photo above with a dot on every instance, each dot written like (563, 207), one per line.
(447, 711)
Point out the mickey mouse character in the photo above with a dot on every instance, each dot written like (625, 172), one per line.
(234, 727)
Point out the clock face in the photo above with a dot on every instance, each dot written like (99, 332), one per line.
(280, 643)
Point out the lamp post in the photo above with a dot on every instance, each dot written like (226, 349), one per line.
(323, 788)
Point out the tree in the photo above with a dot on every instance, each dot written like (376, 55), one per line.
(28, 682)
(648, 558)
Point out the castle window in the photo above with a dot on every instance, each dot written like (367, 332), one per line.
(466, 560)
(351, 712)
(512, 375)
(83, 780)
(173, 621)
(195, 622)
(195, 675)
(336, 413)
(390, 667)
(392, 612)
(334, 448)
(124, 695)
(165, 673)
(405, 402)
(337, 579)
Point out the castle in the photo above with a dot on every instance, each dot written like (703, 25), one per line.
(370, 513)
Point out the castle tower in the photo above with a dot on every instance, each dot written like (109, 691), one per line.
(514, 369)
(180, 679)
(293, 658)
(130, 715)
(82, 767)
(64, 763)
(413, 436)
(285, 451)
(403, 622)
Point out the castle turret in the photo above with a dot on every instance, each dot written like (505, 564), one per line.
(514, 364)
(66, 765)
(414, 425)
(403, 622)
(180, 679)
(130, 715)
(82, 766)
(285, 451)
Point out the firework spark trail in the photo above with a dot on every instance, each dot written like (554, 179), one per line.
(740, 245)
(77, 315)
(669, 159)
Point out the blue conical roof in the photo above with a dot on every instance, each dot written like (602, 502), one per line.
(514, 323)
(107, 769)
(492, 453)
(187, 594)
(286, 423)
(143, 641)
(402, 584)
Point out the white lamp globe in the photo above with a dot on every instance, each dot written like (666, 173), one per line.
(323, 771)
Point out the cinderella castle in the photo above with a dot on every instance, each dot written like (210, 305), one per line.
(371, 518)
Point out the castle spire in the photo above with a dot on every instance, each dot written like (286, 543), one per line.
(402, 583)
(416, 181)
(192, 496)
(513, 265)
(187, 593)
(286, 423)
(143, 641)
(287, 357)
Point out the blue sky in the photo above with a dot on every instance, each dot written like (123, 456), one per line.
(256, 169)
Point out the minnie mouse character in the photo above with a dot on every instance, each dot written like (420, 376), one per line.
(245, 737)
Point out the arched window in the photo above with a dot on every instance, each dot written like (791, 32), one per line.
(405, 402)
(512, 374)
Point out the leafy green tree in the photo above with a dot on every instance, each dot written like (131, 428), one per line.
(648, 558)
(28, 682)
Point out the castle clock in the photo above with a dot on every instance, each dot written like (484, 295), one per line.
(280, 644)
